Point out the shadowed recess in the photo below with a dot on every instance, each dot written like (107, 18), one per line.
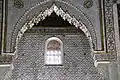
(53, 21)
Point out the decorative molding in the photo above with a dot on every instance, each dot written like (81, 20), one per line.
(109, 25)
(5, 59)
(104, 57)
(49, 30)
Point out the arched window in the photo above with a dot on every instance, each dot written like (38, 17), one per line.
(53, 51)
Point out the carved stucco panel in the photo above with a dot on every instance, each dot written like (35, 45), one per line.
(110, 34)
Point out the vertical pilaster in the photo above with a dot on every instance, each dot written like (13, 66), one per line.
(109, 26)
(102, 24)
(1, 13)
(4, 23)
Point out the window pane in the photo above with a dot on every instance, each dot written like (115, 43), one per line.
(53, 54)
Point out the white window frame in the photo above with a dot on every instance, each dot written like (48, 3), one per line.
(61, 49)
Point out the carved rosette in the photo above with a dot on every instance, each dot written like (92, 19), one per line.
(88, 4)
(59, 12)
(18, 4)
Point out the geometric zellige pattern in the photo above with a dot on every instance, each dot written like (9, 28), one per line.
(78, 63)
